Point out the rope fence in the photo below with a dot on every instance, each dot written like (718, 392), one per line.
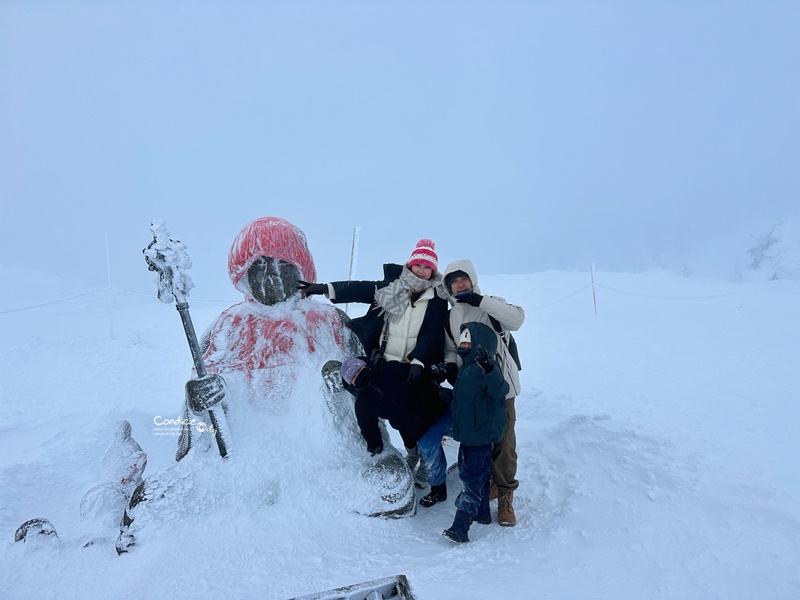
(116, 290)
(664, 297)
(564, 298)
(40, 305)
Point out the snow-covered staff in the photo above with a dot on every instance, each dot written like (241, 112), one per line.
(170, 259)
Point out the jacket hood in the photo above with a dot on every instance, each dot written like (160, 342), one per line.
(272, 237)
(461, 265)
(481, 334)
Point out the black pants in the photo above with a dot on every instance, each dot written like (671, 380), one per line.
(411, 410)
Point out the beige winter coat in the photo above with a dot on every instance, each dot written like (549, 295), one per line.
(510, 317)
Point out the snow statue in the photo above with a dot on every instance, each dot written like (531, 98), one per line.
(124, 460)
(267, 370)
(121, 470)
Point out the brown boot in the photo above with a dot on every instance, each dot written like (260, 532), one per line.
(493, 490)
(505, 510)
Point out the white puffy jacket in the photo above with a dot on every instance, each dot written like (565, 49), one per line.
(510, 316)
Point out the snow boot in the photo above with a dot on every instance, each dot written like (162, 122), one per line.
(417, 467)
(493, 493)
(458, 530)
(438, 493)
(505, 510)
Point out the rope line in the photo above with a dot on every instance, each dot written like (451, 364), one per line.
(664, 297)
(40, 305)
(561, 299)
(541, 306)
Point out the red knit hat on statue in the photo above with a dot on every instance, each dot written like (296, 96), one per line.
(424, 254)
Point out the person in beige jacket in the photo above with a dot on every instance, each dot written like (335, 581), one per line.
(461, 281)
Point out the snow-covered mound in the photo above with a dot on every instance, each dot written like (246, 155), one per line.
(657, 449)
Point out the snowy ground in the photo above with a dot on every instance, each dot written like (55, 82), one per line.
(657, 440)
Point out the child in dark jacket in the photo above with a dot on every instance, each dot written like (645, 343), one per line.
(479, 418)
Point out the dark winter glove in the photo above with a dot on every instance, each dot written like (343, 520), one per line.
(483, 359)
(469, 297)
(415, 373)
(376, 357)
(205, 392)
(311, 289)
(439, 372)
(376, 449)
(452, 373)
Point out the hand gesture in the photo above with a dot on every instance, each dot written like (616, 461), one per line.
(468, 297)
(310, 289)
(483, 359)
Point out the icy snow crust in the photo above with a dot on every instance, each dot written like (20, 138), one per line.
(657, 443)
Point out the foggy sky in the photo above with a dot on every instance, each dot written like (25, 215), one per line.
(523, 135)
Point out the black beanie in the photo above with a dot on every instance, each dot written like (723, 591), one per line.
(454, 275)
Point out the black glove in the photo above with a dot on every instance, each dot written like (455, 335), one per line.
(376, 357)
(439, 372)
(205, 392)
(469, 297)
(483, 359)
(376, 449)
(415, 373)
(310, 289)
(452, 373)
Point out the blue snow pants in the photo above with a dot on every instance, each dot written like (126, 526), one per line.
(430, 446)
(474, 464)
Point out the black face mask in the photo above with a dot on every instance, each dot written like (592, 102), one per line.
(272, 280)
(463, 352)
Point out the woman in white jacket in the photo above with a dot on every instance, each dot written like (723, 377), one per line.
(402, 334)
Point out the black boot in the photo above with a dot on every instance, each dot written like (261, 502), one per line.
(458, 530)
(438, 493)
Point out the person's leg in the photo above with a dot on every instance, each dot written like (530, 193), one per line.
(504, 454)
(414, 460)
(430, 447)
(409, 441)
(368, 424)
(484, 516)
(473, 466)
(473, 470)
(504, 469)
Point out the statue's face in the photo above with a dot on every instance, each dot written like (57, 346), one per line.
(272, 280)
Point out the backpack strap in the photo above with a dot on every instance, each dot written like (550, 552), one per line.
(508, 340)
(496, 324)
(448, 330)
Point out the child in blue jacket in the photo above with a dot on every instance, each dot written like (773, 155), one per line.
(479, 419)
